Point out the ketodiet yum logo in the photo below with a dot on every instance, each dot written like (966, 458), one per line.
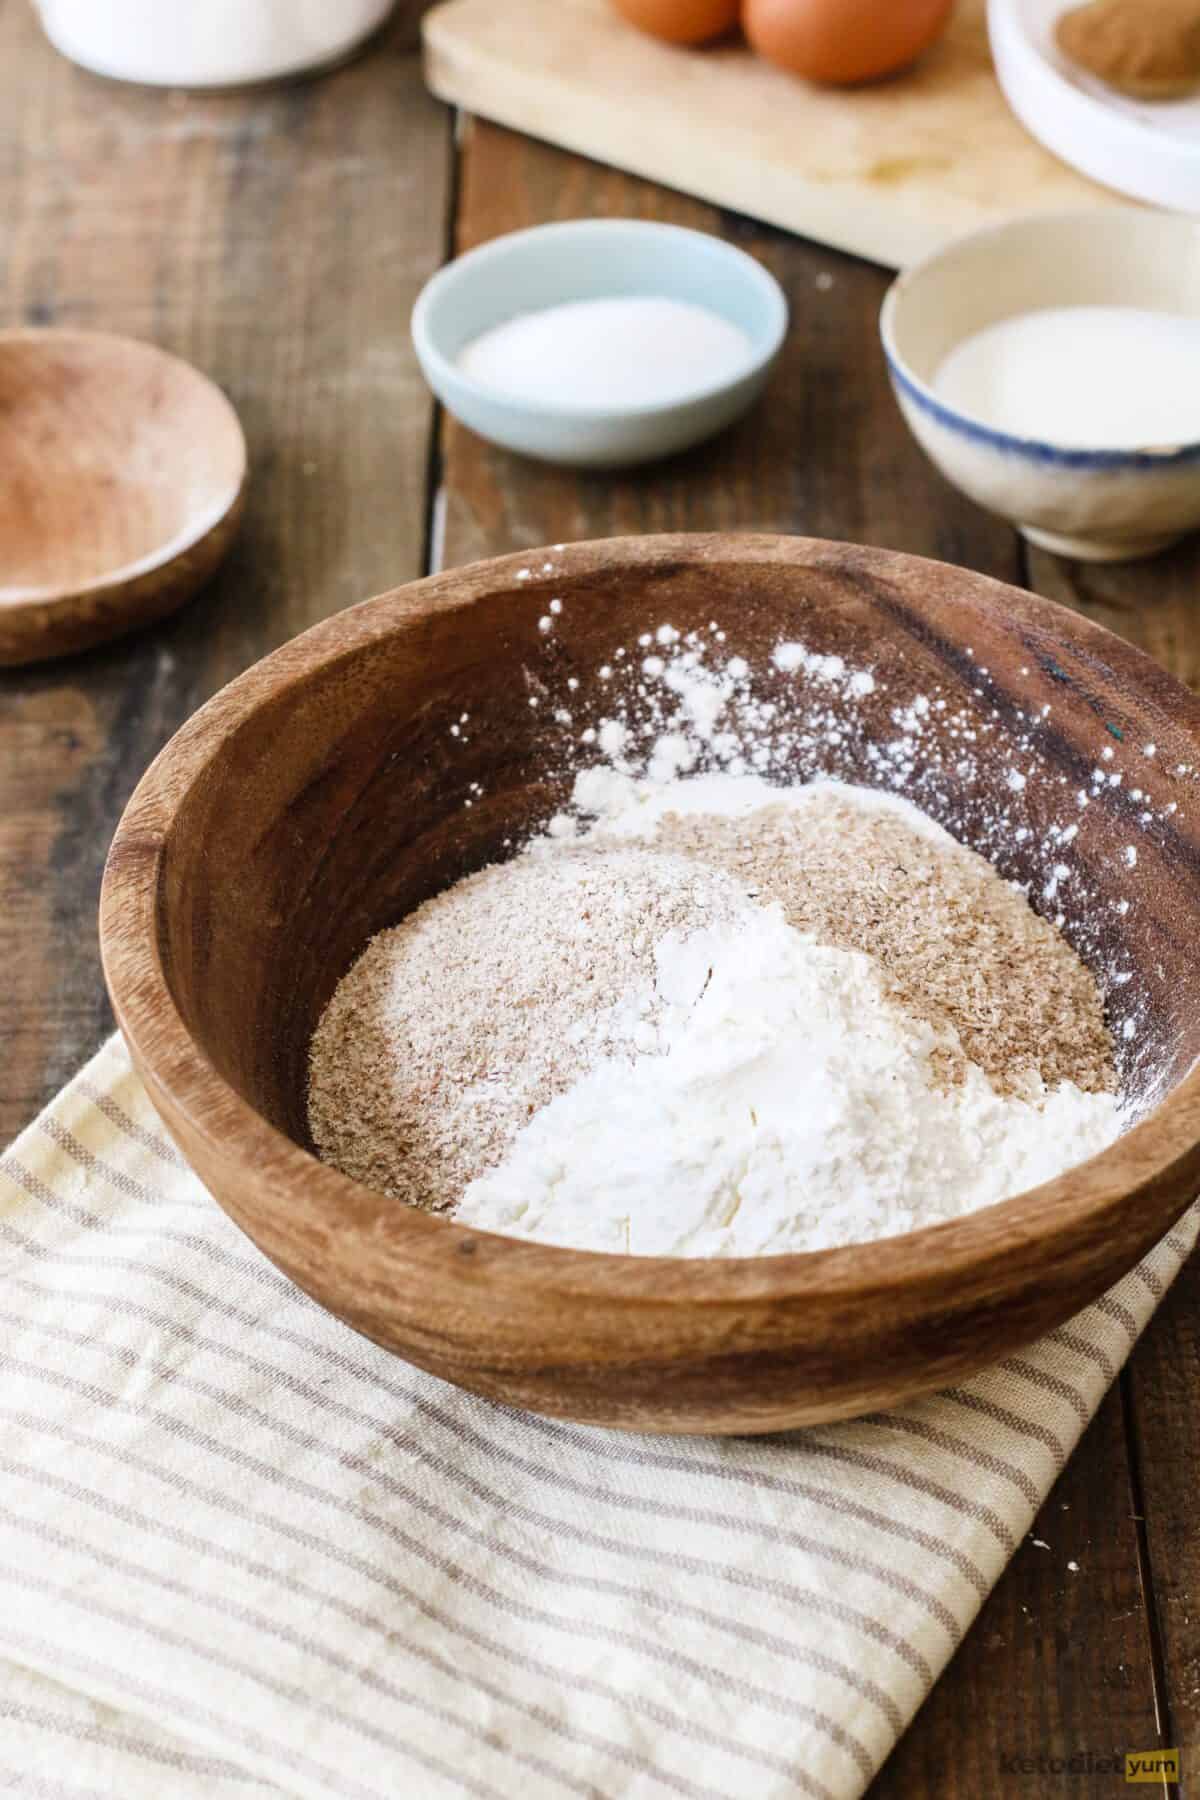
(1158, 1766)
(1152, 1765)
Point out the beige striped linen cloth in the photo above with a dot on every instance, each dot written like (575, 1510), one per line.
(244, 1552)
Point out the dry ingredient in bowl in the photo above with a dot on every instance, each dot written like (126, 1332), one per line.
(1147, 48)
(724, 1019)
(862, 870)
(1081, 377)
(453, 1028)
(610, 354)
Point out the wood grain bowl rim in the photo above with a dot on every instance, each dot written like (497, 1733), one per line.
(31, 607)
(996, 1251)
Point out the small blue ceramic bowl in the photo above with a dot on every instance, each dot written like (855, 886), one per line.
(1098, 505)
(593, 259)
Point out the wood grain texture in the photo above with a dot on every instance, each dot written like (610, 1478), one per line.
(276, 239)
(125, 472)
(325, 794)
(225, 229)
(1154, 605)
(890, 171)
(826, 451)
(1056, 1662)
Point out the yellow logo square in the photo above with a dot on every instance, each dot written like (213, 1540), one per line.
(1152, 1765)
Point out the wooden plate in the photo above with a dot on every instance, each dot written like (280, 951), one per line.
(323, 795)
(124, 470)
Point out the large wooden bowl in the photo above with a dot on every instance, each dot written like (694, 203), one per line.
(323, 795)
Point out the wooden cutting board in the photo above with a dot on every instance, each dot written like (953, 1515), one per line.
(888, 172)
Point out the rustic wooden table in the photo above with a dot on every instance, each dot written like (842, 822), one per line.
(278, 239)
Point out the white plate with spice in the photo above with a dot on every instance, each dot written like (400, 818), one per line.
(1149, 149)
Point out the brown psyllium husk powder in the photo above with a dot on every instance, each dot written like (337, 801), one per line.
(961, 946)
(458, 1024)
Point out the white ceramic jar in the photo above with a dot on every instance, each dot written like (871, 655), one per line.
(208, 43)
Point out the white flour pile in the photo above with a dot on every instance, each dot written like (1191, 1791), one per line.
(621, 1040)
(789, 1105)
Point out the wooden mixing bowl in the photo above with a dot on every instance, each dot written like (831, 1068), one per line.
(124, 480)
(323, 795)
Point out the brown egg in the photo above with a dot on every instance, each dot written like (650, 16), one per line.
(681, 21)
(844, 41)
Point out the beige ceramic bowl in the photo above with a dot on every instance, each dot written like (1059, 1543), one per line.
(1099, 505)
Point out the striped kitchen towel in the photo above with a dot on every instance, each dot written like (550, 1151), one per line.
(242, 1551)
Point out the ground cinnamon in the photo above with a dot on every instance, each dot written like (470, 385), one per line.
(1148, 48)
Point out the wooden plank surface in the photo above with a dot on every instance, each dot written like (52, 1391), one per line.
(1162, 1385)
(889, 171)
(824, 453)
(1059, 1660)
(277, 239)
(1156, 606)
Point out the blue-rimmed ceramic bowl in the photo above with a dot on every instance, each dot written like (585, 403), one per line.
(1099, 505)
(592, 259)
